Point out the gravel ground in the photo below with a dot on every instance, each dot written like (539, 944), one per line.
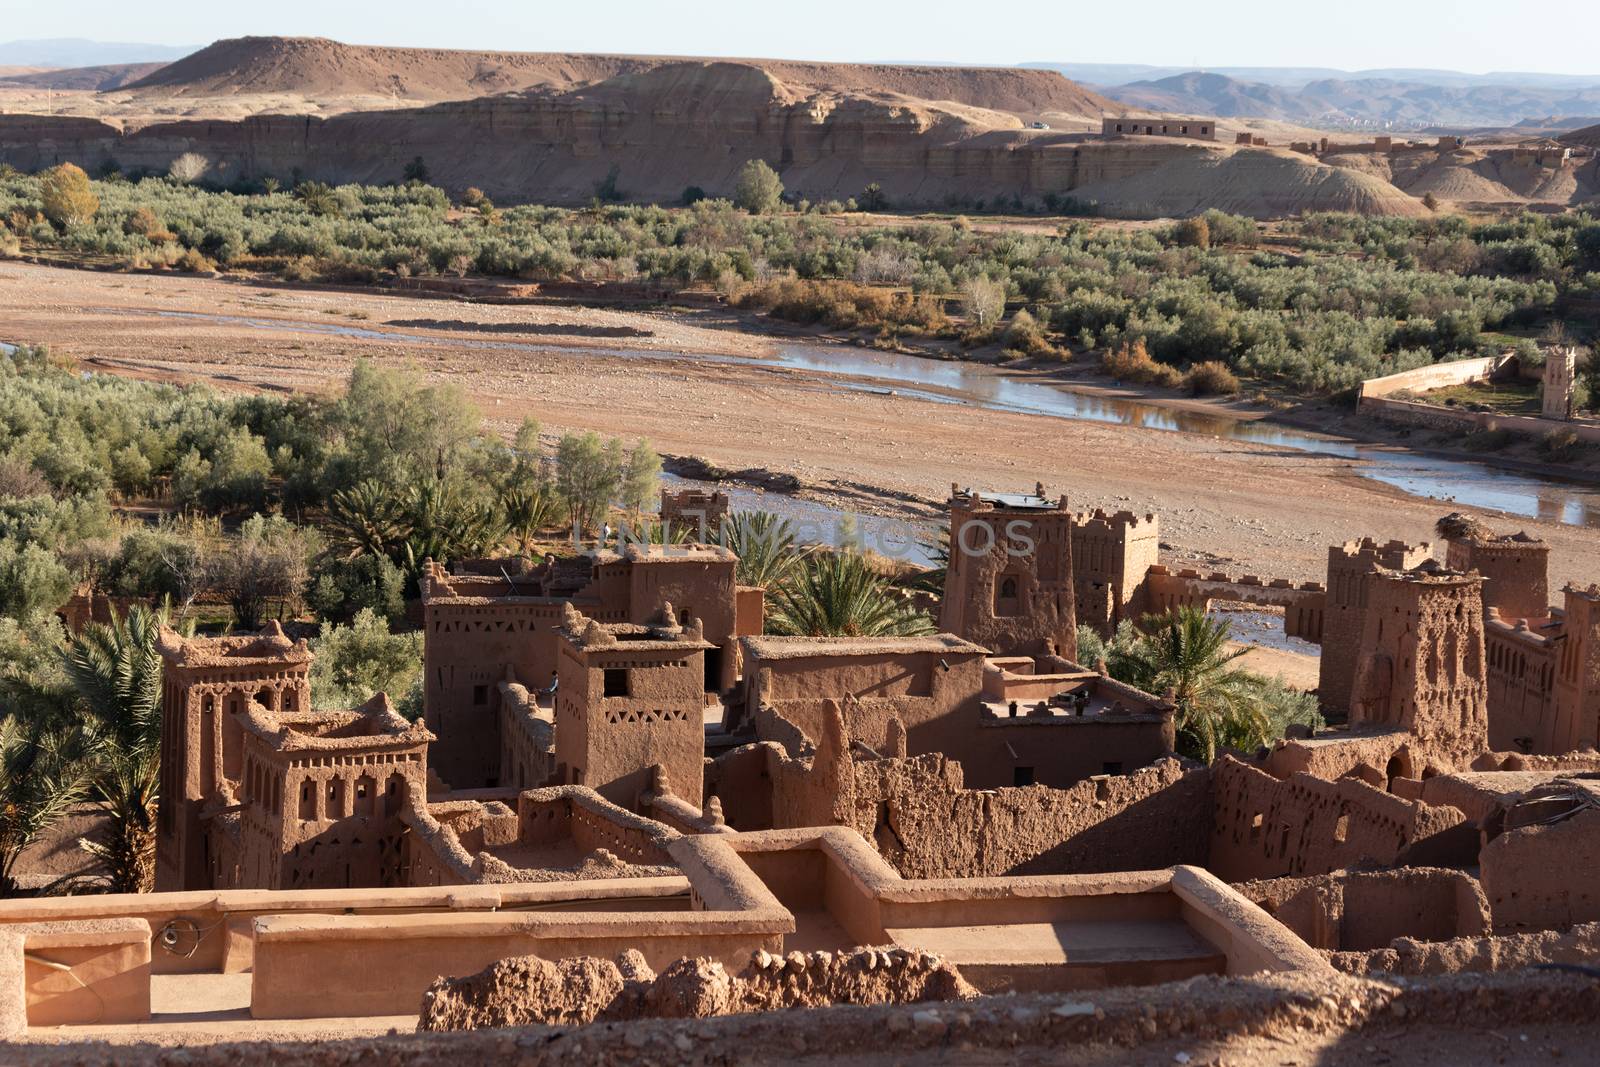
(1223, 504)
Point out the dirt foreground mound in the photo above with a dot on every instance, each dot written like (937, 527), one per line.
(318, 67)
(527, 990)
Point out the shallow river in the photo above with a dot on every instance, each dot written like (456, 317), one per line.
(851, 368)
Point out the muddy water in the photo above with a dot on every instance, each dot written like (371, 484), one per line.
(857, 369)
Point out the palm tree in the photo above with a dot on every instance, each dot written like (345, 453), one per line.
(116, 670)
(765, 546)
(39, 783)
(368, 517)
(1187, 653)
(448, 522)
(837, 594)
(317, 197)
(528, 509)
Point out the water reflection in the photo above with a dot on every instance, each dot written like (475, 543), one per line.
(1458, 481)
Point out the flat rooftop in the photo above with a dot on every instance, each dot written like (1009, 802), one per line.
(765, 647)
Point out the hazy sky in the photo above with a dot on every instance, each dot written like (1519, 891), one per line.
(1474, 35)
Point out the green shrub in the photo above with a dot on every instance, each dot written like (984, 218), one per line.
(758, 189)
(355, 662)
(1211, 378)
(340, 588)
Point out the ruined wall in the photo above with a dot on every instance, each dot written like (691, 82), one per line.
(1303, 606)
(924, 822)
(1542, 876)
(1475, 955)
(1421, 664)
(1344, 615)
(1359, 910)
(1265, 827)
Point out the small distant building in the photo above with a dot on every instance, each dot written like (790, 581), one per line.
(1153, 126)
(1008, 586)
(1560, 372)
(699, 510)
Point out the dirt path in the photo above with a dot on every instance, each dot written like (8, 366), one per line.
(1223, 503)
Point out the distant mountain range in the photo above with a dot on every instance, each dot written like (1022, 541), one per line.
(1402, 99)
(79, 52)
(1297, 77)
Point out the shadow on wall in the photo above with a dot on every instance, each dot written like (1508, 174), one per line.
(1169, 828)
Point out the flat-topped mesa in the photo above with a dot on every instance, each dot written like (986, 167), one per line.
(477, 627)
(1009, 583)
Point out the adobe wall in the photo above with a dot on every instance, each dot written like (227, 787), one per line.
(628, 703)
(1303, 605)
(469, 646)
(1521, 676)
(931, 685)
(1009, 584)
(1061, 750)
(1265, 827)
(1421, 667)
(208, 685)
(1515, 572)
(1412, 957)
(1111, 555)
(1153, 126)
(1578, 672)
(527, 749)
(1360, 910)
(928, 825)
(700, 511)
(1542, 877)
(480, 631)
(1345, 608)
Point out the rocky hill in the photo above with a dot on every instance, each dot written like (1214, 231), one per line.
(649, 134)
(1358, 101)
(318, 67)
(1588, 137)
(81, 79)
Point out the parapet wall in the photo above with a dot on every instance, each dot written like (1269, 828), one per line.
(1303, 604)
(1434, 376)
(1267, 827)
(1361, 910)
(928, 825)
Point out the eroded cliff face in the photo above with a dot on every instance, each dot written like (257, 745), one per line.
(697, 124)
